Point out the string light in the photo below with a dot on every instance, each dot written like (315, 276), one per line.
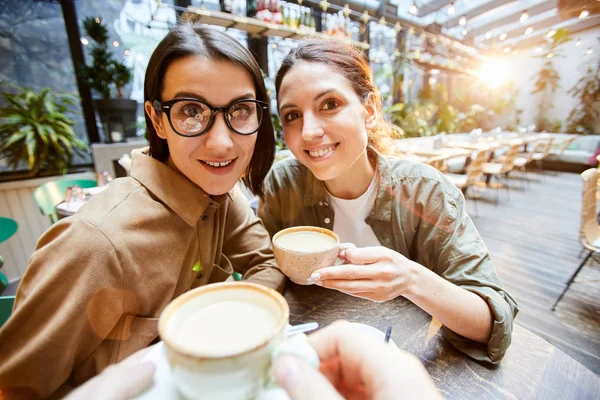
(528, 31)
(451, 9)
(398, 27)
(346, 10)
(502, 36)
(274, 45)
(97, 20)
(414, 10)
(550, 55)
(463, 20)
(507, 49)
(584, 13)
(589, 51)
(324, 5)
(84, 41)
(538, 50)
(382, 21)
(464, 32)
(365, 17)
(127, 52)
(524, 16)
(551, 33)
(578, 42)
(488, 34)
(432, 81)
(116, 44)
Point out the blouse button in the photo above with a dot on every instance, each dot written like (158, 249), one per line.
(204, 217)
(327, 220)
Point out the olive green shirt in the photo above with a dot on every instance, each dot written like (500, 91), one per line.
(419, 214)
(99, 280)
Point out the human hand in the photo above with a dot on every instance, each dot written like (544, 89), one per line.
(354, 365)
(119, 381)
(375, 273)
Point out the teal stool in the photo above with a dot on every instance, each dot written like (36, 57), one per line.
(8, 227)
(6, 306)
(48, 195)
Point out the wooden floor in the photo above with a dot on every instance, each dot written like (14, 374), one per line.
(533, 240)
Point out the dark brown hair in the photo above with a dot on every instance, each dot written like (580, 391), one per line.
(187, 40)
(347, 61)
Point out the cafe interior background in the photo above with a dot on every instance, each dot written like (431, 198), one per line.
(455, 77)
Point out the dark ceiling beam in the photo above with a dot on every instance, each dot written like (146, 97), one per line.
(512, 18)
(474, 12)
(582, 25)
(519, 32)
(433, 6)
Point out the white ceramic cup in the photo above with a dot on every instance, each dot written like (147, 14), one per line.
(242, 375)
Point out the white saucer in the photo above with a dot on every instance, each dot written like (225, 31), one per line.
(163, 387)
(371, 330)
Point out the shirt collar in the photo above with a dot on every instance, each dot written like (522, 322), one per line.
(171, 187)
(382, 209)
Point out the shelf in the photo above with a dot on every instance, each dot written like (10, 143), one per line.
(257, 27)
(436, 65)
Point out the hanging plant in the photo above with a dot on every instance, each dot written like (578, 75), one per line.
(584, 117)
(547, 80)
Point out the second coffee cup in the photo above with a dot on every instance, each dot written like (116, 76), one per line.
(300, 250)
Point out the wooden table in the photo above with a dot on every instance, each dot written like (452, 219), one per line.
(531, 369)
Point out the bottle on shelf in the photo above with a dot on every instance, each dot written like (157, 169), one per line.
(251, 8)
(276, 16)
(226, 6)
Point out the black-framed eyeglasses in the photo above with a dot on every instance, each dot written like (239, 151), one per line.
(191, 117)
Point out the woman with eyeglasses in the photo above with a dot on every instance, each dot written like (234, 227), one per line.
(413, 236)
(99, 280)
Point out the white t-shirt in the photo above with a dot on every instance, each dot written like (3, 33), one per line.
(349, 222)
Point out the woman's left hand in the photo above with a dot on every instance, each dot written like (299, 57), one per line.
(375, 273)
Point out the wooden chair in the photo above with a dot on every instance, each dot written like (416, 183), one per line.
(48, 195)
(542, 153)
(589, 230)
(559, 147)
(438, 163)
(474, 172)
(523, 159)
(502, 168)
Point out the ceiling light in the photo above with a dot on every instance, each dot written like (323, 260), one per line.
(524, 16)
(584, 13)
(551, 33)
(528, 31)
(488, 34)
(589, 51)
(578, 42)
(451, 9)
(503, 36)
(462, 21)
(414, 10)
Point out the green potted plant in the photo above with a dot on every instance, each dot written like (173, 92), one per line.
(35, 130)
(584, 117)
(107, 78)
(546, 80)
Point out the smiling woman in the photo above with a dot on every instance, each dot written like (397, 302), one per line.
(411, 234)
(98, 280)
